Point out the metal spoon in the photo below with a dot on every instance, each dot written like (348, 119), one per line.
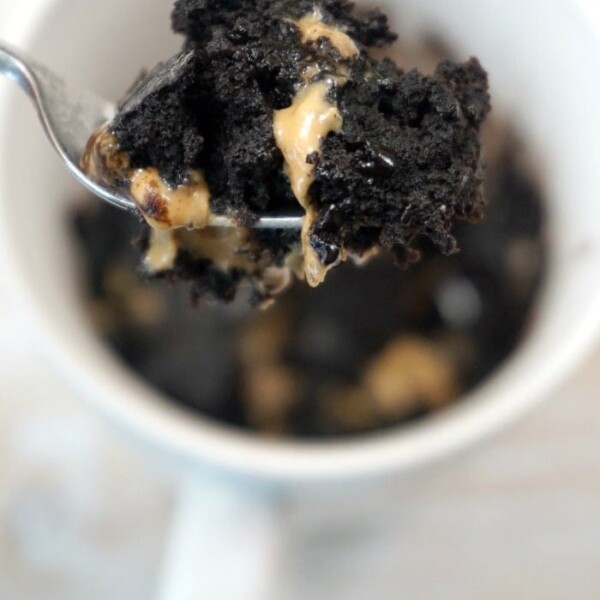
(70, 116)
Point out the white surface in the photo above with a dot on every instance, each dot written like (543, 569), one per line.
(82, 516)
(227, 542)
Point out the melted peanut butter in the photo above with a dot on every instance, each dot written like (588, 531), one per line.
(228, 248)
(165, 207)
(299, 131)
(410, 371)
(225, 248)
(312, 28)
(103, 161)
(162, 251)
(301, 128)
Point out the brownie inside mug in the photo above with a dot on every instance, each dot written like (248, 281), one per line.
(366, 351)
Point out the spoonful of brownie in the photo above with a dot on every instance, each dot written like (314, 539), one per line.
(275, 118)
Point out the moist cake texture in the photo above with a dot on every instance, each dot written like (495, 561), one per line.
(278, 106)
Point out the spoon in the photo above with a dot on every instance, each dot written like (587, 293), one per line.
(69, 117)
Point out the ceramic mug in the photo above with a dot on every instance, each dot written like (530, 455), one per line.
(543, 60)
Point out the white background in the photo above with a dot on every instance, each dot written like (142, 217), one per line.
(83, 516)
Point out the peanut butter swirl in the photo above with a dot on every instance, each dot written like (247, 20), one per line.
(301, 128)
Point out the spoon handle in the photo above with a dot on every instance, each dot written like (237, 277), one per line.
(16, 69)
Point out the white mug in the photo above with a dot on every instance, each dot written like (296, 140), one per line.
(544, 61)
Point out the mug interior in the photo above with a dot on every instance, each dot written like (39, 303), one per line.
(542, 78)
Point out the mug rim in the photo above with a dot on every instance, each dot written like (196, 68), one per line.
(149, 416)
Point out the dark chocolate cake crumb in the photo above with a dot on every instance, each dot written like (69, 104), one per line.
(409, 168)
